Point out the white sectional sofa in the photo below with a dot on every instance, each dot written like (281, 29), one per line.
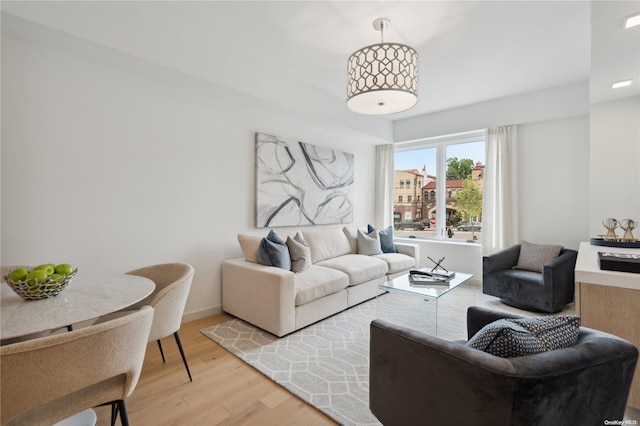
(281, 301)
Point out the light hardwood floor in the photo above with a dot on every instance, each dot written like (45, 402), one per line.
(224, 391)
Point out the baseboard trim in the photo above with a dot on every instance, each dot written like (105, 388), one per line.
(203, 313)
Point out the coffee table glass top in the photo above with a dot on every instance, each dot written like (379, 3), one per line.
(435, 290)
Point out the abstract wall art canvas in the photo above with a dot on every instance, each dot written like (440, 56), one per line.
(302, 184)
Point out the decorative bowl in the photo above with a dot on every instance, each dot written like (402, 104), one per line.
(31, 290)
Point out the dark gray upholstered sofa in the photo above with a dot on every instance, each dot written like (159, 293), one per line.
(418, 379)
(548, 291)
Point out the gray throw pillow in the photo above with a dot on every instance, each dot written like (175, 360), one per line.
(386, 239)
(508, 338)
(369, 244)
(274, 252)
(533, 257)
(299, 252)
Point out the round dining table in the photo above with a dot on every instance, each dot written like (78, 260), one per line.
(87, 296)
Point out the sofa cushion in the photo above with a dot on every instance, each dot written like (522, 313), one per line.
(299, 252)
(274, 252)
(352, 235)
(326, 243)
(369, 244)
(397, 262)
(509, 338)
(358, 267)
(317, 281)
(249, 245)
(533, 257)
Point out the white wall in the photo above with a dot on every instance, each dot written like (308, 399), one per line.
(111, 164)
(553, 188)
(614, 170)
(553, 155)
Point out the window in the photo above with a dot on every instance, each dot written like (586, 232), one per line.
(451, 207)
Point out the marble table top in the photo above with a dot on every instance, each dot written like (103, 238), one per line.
(86, 297)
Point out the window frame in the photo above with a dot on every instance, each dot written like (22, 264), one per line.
(440, 143)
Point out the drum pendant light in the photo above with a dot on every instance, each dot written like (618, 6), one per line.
(383, 77)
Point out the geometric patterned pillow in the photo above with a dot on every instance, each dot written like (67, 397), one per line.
(509, 338)
(533, 257)
(506, 339)
(554, 331)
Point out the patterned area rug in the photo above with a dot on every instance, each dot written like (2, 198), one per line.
(327, 363)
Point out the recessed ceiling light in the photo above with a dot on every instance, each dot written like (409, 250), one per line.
(619, 84)
(632, 21)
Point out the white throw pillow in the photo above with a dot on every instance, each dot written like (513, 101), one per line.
(369, 244)
(249, 245)
(300, 253)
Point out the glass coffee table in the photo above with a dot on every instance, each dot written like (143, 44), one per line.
(415, 305)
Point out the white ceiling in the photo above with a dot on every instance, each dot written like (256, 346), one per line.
(469, 51)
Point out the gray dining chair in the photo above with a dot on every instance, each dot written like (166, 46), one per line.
(173, 282)
(49, 379)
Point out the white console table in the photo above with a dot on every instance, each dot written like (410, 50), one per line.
(609, 301)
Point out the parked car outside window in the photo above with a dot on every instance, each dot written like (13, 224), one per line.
(473, 226)
(408, 224)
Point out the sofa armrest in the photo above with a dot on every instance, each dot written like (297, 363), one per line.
(562, 268)
(504, 259)
(559, 275)
(412, 250)
(262, 295)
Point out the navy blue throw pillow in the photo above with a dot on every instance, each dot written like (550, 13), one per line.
(273, 251)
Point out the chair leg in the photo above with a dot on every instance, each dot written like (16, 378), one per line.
(161, 351)
(114, 413)
(184, 359)
(124, 418)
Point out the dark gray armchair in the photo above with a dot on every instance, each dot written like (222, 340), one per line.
(418, 379)
(548, 291)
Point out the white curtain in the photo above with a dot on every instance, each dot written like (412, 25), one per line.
(384, 185)
(500, 193)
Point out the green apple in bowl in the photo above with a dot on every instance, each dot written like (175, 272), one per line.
(36, 276)
(18, 274)
(46, 267)
(63, 269)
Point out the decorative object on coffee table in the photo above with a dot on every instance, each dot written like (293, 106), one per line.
(628, 225)
(611, 224)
